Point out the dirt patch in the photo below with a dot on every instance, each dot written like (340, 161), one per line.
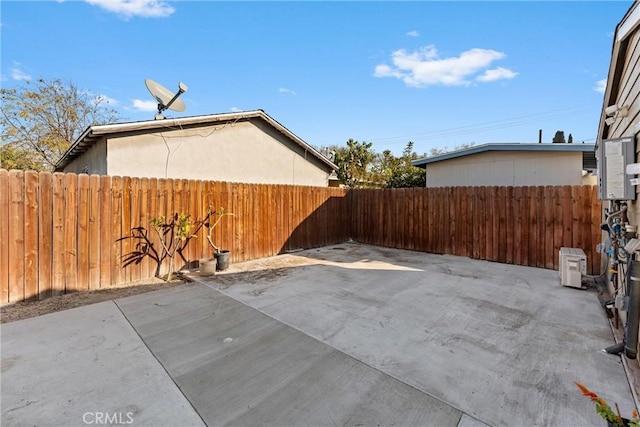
(254, 272)
(27, 309)
(251, 277)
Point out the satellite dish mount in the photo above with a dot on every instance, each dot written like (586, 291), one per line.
(166, 99)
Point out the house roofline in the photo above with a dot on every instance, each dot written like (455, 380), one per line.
(92, 133)
(625, 28)
(564, 147)
(629, 22)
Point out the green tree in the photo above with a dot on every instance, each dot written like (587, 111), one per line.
(404, 174)
(13, 157)
(360, 166)
(558, 138)
(383, 166)
(355, 164)
(40, 120)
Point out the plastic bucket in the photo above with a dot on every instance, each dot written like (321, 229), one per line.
(208, 266)
(223, 260)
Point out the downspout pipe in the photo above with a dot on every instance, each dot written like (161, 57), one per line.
(633, 311)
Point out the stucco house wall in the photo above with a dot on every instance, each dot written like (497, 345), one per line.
(240, 153)
(250, 148)
(501, 168)
(94, 160)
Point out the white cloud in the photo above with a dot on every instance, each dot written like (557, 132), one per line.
(18, 74)
(496, 74)
(145, 105)
(235, 109)
(424, 67)
(130, 8)
(285, 90)
(601, 86)
(384, 70)
(413, 33)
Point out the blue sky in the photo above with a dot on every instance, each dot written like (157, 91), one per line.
(436, 73)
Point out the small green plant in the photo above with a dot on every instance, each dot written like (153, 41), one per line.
(174, 236)
(606, 412)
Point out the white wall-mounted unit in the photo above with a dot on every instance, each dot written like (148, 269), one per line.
(573, 265)
(613, 157)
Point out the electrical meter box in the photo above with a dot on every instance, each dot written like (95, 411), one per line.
(573, 265)
(613, 157)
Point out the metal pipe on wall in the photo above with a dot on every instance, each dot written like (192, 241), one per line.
(633, 311)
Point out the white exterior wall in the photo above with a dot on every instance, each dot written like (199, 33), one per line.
(94, 160)
(247, 151)
(507, 168)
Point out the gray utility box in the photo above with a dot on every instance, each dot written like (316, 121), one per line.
(573, 265)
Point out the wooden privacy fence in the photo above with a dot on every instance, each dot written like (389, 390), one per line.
(65, 232)
(513, 225)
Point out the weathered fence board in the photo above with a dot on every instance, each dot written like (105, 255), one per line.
(104, 245)
(45, 234)
(57, 235)
(549, 250)
(4, 236)
(70, 236)
(16, 236)
(31, 235)
(82, 218)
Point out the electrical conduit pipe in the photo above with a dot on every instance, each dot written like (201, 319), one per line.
(633, 311)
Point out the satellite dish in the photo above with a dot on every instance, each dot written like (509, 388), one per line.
(166, 99)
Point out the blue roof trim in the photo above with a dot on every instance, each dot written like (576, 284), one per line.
(504, 147)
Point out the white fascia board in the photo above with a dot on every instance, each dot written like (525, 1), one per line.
(629, 24)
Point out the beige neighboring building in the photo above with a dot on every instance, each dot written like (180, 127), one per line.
(247, 146)
(512, 164)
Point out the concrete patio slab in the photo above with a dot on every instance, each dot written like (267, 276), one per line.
(343, 335)
(83, 367)
(501, 343)
(240, 367)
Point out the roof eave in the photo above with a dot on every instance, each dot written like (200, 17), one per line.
(298, 140)
(422, 163)
(89, 136)
(623, 31)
